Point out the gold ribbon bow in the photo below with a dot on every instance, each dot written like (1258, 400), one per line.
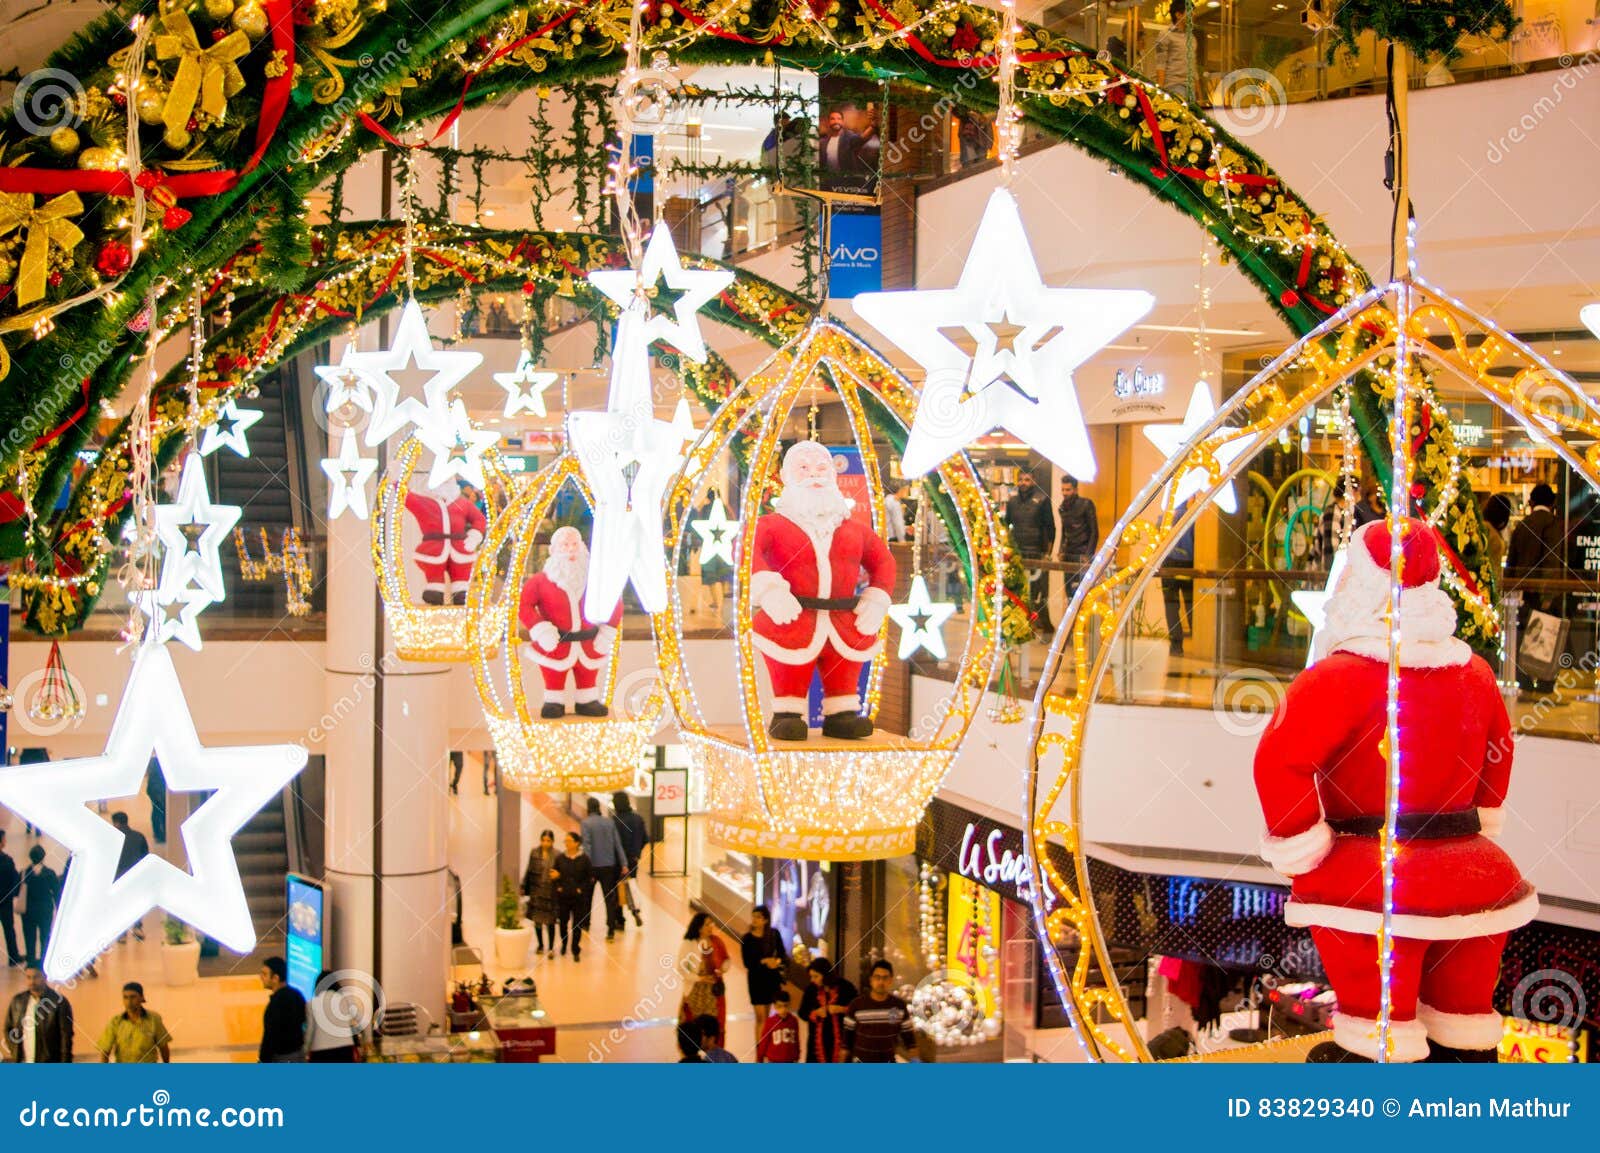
(205, 75)
(41, 227)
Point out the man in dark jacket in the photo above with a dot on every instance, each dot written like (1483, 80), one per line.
(602, 844)
(1536, 551)
(10, 882)
(283, 1024)
(574, 885)
(135, 848)
(39, 1024)
(1080, 531)
(1033, 534)
(635, 836)
(41, 890)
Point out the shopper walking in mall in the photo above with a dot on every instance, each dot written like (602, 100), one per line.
(765, 959)
(41, 890)
(135, 1036)
(283, 1022)
(780, 1034)
(573, 878)
(1080, 532)
(703, 960)
(635, 836)
(538, 886)
(822, 1007)
(135, 848)
(607, 857)
(334, 1020)
(39, 1023)
(155, 787)
(10, 888)
(1033, 533)
(878, 1022)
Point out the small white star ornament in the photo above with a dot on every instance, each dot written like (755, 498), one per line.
(412, 350)
(192, 530)
(97, 905)
(1026, 341)
(921, 620)
(717, 534)
(1171, 439)
(458, 447)
(348, 474)
(347, 385)
(684, 291)
(525, 387)
(230, 428)
(173, 614)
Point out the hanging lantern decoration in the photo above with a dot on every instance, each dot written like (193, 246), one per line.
(822, 798)
(594, 749)
(57, 699)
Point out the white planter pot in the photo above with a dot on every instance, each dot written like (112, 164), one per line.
(1139, 667)
(180, 964)
(511, 946)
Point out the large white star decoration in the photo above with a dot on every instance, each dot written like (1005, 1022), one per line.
(458, 447)
(1025, 339)
(1313, 605)
(173, 614)
(1171, 439)
(525, 387)
(98, 905)
(921, 620)
(347, 385)
(666, 292)
(192, 530)
(412, 350)
(229, 429)
(717, 534)
(348, 474)
(1590, 315)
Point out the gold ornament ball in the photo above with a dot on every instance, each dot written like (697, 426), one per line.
(178, 138)
(98, 159)
(8, 269)
(251, 19)
(64, 141)
(219, 9)
(150, 107)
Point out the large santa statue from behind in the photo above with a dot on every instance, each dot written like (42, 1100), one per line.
(569, 651)
(1321, 776)
(451, 532)
(810, 613)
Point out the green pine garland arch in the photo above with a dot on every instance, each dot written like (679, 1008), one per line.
(351, 51)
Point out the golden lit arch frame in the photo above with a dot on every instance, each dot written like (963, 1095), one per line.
(824, 799)
(576, 753)
(1441, 337)
(432, 633)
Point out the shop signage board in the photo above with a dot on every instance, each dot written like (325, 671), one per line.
(303, 945)
(994, 855)
(671, 788)
(1539, 1043)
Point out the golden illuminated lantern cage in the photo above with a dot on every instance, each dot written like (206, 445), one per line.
(822, 799)
(1407, 324)
(574, 753)
(422, 632)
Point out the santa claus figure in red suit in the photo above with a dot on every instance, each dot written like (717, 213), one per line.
(1321, 775)
(810, 612)
(569, 651)
(451, 532)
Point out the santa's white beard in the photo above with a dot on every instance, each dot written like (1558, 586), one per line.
(817, 510)
(570, 575)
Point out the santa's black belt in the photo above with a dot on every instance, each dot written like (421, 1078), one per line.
(437, 536)
(1413, 826)
(829, 604)
(587, 634)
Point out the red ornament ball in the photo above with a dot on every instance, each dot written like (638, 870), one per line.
(113, 259)
(1289, 298)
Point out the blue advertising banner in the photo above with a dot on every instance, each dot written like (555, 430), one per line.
(855, 254)
(303, 947)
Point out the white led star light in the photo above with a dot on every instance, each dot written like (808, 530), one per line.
(97, 905)
(347, 385)
(1313, 605)
(174, 614)
(412, 350)
(682, 290)
(229, 429)
(348, 474)
(457, 446)
(1590, 315)
(192, 530)
(1171, 439)
(1026, 337)
(921, 620)
(717, 534)
(525, 386)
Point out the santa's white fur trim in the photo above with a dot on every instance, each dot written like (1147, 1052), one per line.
(1407, 1039)
(1417, 926)
(1300, 853)
(1492, 821)
(1462, 1030)
(789, 705)
(584, 696)
(558, 697)
(763, 583)
(843, 704)
(1356, 618)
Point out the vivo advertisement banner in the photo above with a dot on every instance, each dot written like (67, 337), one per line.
(855, 254)
(303, 950)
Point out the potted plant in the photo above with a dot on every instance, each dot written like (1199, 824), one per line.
(512, 935)
(180, 954)
(1139, 659)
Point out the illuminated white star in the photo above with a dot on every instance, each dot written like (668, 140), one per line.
(717, 534)
(348, 474)
(1171, 439)
(921, 620)
(97, 905)
(1590, 315)
(346, 384)
(1025, 340)
(229, 429)
(525, 387)
(412, 350)
(660, 283)
(192, 530)
(458, 447)
(1313, 605)
(173, 614)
